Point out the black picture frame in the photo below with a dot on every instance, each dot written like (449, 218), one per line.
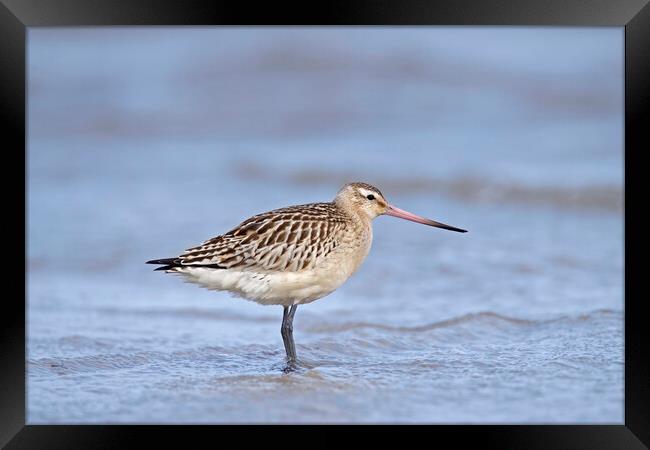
(634, 15)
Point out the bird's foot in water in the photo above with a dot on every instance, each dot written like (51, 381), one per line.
(295, 366)
(290, 366)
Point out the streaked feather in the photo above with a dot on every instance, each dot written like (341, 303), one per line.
(288, 239)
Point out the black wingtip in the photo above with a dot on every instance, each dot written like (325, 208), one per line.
(164, 261)
(170, 263)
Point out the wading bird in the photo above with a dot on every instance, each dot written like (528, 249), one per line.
(291, 256)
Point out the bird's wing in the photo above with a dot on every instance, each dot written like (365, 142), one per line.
(288, 239)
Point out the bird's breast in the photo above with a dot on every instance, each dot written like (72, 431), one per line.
(352, 250)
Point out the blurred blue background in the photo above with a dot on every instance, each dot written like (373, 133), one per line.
(144, 142)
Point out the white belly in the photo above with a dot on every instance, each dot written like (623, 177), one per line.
(279, 288)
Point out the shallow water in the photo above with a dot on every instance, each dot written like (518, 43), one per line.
(136, 157)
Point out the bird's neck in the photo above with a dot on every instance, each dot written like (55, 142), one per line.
(356, 216)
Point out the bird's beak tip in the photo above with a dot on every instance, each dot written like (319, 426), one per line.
(396, 212)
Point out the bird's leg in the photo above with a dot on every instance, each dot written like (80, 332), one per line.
(287, 333)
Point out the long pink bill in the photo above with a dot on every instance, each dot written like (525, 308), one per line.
(396, 212)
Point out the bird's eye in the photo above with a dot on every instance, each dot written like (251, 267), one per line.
(370, 197)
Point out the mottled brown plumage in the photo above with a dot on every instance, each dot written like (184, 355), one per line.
(286, 239)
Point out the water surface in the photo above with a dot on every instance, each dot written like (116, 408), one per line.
(145, 142)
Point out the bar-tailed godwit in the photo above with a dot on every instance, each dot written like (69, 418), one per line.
(291, 256)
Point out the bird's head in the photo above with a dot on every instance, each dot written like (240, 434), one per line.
(368, 201)
(362, 198)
